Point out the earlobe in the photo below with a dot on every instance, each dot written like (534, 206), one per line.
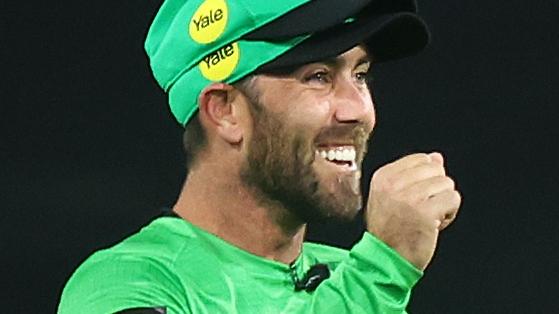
(219, 109)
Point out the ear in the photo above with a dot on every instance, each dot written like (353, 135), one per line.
(218, 107)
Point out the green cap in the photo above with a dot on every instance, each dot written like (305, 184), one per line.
(192, 43)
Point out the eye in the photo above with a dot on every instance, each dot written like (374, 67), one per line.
(362, 77)
(319, 77)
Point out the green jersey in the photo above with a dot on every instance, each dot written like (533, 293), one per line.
(175, 265)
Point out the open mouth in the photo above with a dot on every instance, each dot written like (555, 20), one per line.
(342, 156)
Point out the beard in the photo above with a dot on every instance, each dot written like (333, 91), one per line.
(280, 167)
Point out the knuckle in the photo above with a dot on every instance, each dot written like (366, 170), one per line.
(448, 181)
(430, 170)
(456, 197)
(423, 158)
(438, 169)
(413, 158)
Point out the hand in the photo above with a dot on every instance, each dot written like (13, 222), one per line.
(410, 201)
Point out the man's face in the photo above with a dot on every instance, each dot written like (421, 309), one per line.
(309, 136)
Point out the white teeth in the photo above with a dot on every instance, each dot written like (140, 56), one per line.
(339, 154)
(331, 155)
(346, 155)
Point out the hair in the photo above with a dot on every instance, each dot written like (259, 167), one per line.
(195, 138)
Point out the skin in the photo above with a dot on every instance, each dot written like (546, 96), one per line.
(254, 157)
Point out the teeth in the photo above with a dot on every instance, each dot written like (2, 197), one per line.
(352, 154)
(346, 155)
(339, 154)
(331, 155)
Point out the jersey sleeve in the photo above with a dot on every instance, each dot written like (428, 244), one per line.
(374, 279)
(117, 283)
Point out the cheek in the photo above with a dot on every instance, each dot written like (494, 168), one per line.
(313, 113)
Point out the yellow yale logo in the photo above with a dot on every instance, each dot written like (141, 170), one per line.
(219, 65)
(209, 21)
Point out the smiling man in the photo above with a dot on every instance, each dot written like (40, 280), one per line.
(277, 113)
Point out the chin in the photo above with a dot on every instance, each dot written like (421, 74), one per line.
(338, 194)
(342, 211)
(334, 203)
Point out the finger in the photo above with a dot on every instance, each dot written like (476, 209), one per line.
(410, 176)
(437, 158)
(443, 207)
(446, 222)
(428, 188)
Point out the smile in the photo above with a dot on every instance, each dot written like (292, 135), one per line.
(341, 156)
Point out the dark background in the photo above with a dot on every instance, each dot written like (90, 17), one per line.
(89, 152)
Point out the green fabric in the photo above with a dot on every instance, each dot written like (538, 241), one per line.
(185, 31)
(174, 264)
(183, 97)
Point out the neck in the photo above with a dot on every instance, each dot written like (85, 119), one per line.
(224, 206)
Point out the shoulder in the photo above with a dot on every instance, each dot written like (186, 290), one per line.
(139, 271)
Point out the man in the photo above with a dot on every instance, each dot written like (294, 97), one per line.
(277, 113)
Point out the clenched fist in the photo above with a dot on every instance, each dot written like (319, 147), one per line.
(410, 201)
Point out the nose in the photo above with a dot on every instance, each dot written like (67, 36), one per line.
(354, 103)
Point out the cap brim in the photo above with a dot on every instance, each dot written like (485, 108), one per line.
(387, 37)
(311, 17)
